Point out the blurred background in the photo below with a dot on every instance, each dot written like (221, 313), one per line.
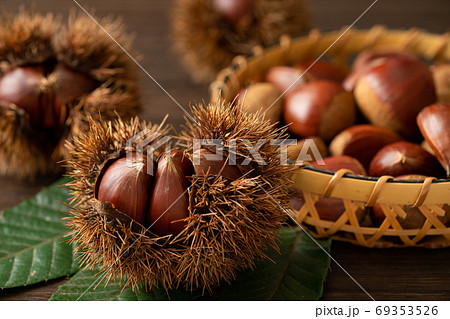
(386, 274)
(148, 20)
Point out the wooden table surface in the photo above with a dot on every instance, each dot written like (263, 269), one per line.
(412, 274)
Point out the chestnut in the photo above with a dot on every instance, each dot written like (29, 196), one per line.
(69, 84)
(22, 86)
(404, 158)
(232, 10)
(125, 184)
(207, 162)
(366, 59)
(263, 97)
(414, 218)
(335, 163)
(441, 75)
(391, 93)
(434, 124)
(362, 142)
(320, 70)
(427, 147)
(42, 91)
(285, 78)
(169, 203)
(319, 108)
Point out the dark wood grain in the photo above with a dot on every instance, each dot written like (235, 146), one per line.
(386, 274)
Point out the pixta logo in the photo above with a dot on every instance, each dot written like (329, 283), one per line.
(147, 143)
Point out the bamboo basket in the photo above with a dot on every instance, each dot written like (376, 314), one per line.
(429, 196)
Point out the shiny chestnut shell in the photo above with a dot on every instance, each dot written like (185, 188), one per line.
(390, 94)
(125, 183)
(319, 108)
(404, 158)
(362, 142)
(207, 162)
(434, 124)
(232, 10)
(43, 90)
(169, 201)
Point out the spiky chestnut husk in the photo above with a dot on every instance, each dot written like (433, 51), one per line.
(27, 151)
(246, 212)
(230, 222)
(207, 42)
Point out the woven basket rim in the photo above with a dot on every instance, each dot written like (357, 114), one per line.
(373, 178)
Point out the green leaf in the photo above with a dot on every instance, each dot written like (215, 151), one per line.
(32, 243)
(85, 286)
(296, 273)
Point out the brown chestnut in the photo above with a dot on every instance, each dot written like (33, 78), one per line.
(335, 163)
(434, 124)
(232, 10)
(69, 84)
(264, 97)
(441, 75)
(414, 218)
(320, 70)
(206, 162)
(169, 203)
(124, 182)
(22, 86)
(319, 108)
(391, 94)
(366, 59)
(285, 78)
(427, 147)
(404, 158)
(42, 95)
(362, 142)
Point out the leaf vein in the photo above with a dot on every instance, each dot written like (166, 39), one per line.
(33, 258)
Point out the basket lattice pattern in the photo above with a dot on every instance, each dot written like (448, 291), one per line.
(390, 234)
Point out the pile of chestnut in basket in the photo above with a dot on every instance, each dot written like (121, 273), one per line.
(389, 116)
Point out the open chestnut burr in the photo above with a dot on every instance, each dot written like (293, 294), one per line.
(54, 76)
(224, 29)
(198, 218)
